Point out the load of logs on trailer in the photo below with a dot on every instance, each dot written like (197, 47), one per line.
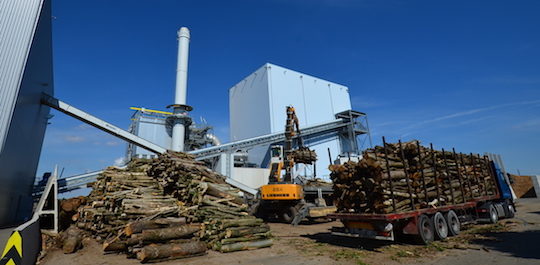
(167, 208)
(402, 177)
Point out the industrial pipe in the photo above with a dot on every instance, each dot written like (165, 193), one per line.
(215, 140)
(180, 107)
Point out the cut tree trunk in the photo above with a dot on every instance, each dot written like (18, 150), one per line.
(72, 240)
(155, 252)
(139, 226)
(246, 245)
(163, 234)
(242, 231)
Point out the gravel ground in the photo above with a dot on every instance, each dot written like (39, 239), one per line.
(519, 245)
(513, 241)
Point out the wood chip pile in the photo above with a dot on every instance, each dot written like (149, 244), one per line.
(167, 208)
(407, 176)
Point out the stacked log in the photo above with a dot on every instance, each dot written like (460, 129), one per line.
(228, 235)
(408, 176)
(120, 196)
(207, 199)
(167, 208)
(68, 209)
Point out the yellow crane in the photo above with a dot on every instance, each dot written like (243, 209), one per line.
(283, 198)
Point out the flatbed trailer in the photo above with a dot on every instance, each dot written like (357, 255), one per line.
(429, 224)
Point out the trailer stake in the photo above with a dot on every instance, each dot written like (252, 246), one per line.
(389, 175)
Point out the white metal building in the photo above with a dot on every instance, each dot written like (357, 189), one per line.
(257, 107)
(150, 126)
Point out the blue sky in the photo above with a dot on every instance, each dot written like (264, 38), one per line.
(463, 74)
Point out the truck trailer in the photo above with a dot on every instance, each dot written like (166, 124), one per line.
(432, 222)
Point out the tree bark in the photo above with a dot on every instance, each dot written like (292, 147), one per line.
(139, 226)
(154, 252)
(246, 245)
(72, 240)
(164, 234)
(242, 231)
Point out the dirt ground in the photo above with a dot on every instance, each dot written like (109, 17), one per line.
(509, 242)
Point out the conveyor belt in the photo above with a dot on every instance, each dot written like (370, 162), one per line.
(75, 182)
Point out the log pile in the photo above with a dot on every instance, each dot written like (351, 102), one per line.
(68, 208)
(408, 176)
(207, 199)
(119, 196)
(166, 208)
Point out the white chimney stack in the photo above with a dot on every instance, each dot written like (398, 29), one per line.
(180, 107)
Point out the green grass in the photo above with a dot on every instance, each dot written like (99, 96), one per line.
(346, 254)
(491, 228)
(403, 254)
(436, 246)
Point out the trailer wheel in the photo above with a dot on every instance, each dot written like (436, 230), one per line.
(440, 225)
(493, 216)
(425, 229)
(454, 225)
(510, 212)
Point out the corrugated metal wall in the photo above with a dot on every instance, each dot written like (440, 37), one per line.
(18, 21)
(25, 74)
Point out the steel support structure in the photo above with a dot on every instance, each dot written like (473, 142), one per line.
(100, 124)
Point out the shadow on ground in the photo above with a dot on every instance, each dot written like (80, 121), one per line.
(518, 244)
(349, 242)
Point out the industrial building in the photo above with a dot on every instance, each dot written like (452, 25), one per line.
(25, 73)
(156, 127)
(257, 116)
(257, 107)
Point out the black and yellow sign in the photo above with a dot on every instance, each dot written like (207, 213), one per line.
(13, 252)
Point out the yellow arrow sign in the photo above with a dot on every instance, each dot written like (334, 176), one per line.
(13, 251)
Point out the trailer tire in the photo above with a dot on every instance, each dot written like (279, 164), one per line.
(493, 215)
(440, 226)
(425, 228)
(509, 210)
(454, 225)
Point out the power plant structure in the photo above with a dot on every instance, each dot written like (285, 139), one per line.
(257, 105)
(256, 111)
(157, 127)
(281, 120)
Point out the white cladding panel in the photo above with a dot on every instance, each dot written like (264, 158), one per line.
(249, 112)
(536, 184)
(251, 177)
(258, 103)
(154, 130)
(315, 100)
(18, 20)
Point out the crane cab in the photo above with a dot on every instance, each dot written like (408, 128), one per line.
(276, 189)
